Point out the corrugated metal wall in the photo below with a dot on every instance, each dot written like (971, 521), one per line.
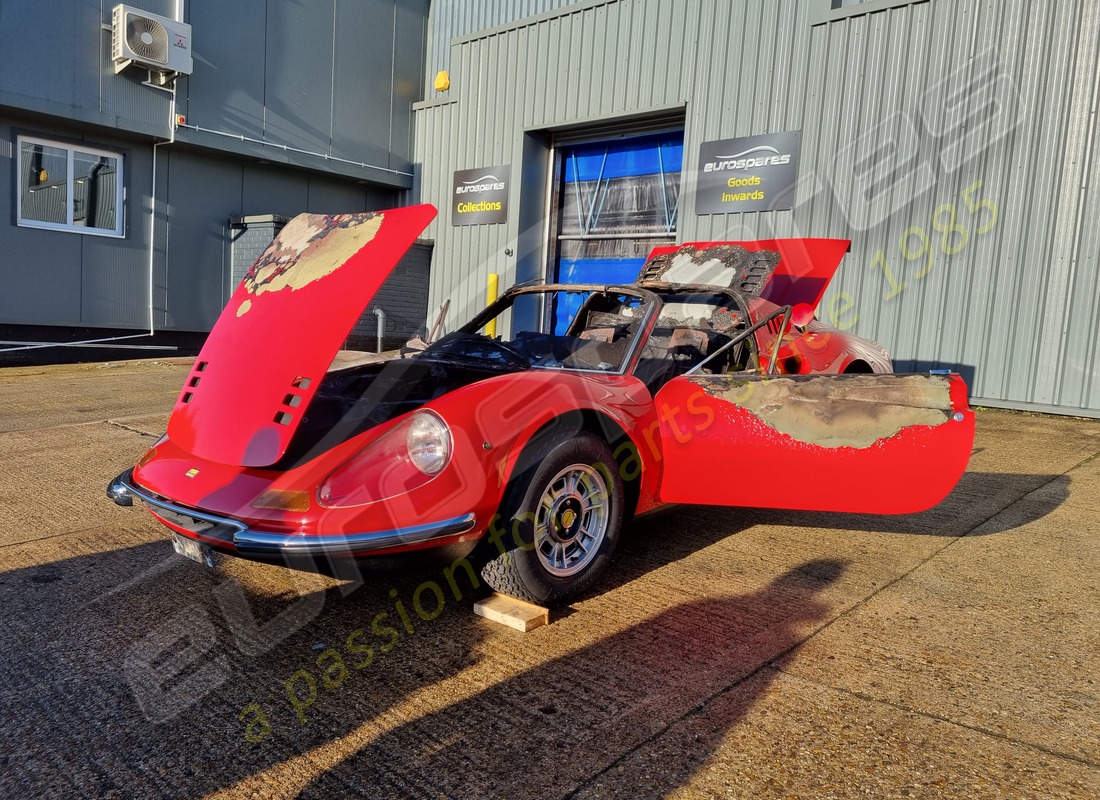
(453, 19)
(954, 142)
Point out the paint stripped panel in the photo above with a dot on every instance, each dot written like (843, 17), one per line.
(884, 444)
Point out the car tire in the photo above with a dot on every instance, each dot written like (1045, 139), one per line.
(559, 522)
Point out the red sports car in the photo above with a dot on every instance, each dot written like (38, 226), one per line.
(705, 381)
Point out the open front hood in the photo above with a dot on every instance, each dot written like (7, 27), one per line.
(269, 349)
(783, 271)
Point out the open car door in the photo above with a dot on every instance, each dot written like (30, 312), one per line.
(882, 444)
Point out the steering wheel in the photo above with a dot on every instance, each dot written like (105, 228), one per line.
(514, 353)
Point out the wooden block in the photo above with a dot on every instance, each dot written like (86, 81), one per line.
(512, 612)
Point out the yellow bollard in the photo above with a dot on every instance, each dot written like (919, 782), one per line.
(490, 298)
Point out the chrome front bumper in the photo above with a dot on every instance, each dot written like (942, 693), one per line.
(257, 543)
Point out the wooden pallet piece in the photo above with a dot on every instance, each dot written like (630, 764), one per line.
(514, 613)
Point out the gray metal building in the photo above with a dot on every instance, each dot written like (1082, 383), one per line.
(953, 141)
(123, 186)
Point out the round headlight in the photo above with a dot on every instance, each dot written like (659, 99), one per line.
(429, 443)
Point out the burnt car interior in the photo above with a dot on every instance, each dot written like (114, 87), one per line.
(600, 338)
(661, 331)
(692, 326)
(664, 331)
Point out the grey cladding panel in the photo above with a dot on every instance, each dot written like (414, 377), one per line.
(330, 197)
(299, 74)
(226, 90)
(137, 107)
(288, 73)
(361, 80)
(203, 194)
(272, 191)
(114, 281)
(409, 35)
(68, 75)
(40, 276)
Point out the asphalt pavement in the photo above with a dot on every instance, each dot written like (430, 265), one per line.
(728, 652)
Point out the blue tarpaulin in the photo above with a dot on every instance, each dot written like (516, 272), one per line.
(590, 270)
(644, 155)
(597, 164)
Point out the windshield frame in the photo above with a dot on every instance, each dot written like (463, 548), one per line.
(651, 300)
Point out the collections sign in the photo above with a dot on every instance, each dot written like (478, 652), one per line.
(753, 173)
(480, 196)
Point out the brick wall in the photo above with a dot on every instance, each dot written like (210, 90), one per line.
(251, 237)
(404, 300)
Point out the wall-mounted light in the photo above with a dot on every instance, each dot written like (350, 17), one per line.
(442, 81)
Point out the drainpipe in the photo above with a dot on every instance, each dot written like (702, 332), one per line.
(381, 327)
(178, 16)
(153, 221)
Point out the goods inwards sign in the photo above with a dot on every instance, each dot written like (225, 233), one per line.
(752, 173)
(480, 196)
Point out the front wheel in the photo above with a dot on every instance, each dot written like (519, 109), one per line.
(559, 522)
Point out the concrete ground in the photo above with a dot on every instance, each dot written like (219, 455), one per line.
(728, 652)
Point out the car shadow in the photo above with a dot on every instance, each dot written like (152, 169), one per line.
(978, 505)
(132, 671)
(973, 508)
(975, 504)
(571, 723)
(136, 672)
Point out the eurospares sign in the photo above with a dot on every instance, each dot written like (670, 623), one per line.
(480, 196)
(753, 173)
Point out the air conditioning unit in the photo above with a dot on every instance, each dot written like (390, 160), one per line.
(150, 41)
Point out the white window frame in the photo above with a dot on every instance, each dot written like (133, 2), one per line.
(118, 232)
